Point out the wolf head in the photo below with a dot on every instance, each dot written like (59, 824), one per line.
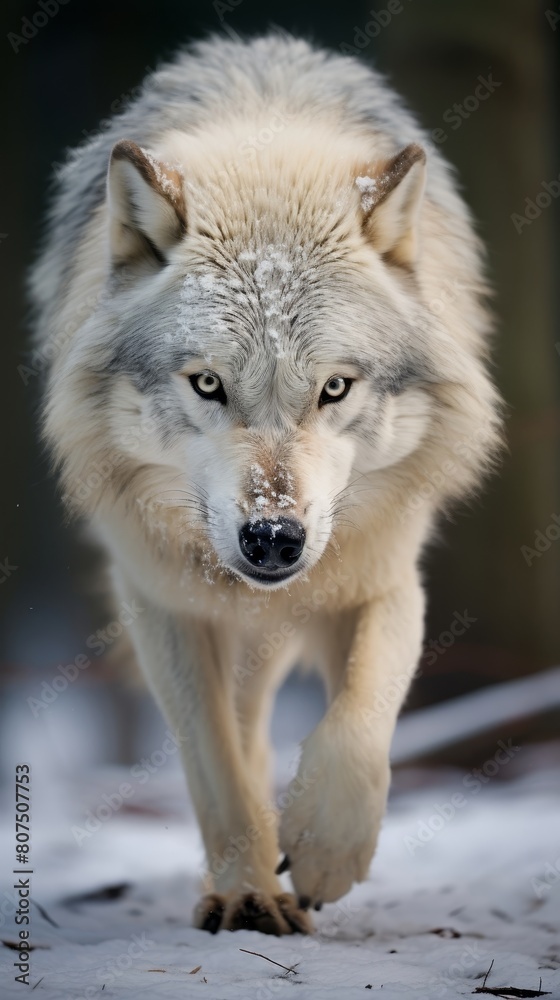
(260, 352)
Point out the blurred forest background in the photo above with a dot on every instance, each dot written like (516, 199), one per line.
(81, 65)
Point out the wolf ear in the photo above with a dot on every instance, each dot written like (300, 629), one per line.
(146, 204)
(391, 198)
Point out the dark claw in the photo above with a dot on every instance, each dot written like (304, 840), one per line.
(318, 906)
(295, 918)
(213, 921)
(304, 902)
(214, 915)
(284, 865)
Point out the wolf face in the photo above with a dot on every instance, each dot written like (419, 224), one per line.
(271, 369)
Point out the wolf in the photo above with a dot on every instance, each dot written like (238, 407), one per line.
(265, 312)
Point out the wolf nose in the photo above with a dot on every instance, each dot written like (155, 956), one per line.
(272, 544)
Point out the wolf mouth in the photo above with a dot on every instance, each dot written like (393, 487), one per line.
(267, 579)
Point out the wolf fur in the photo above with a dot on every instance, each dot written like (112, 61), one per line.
(267, 213)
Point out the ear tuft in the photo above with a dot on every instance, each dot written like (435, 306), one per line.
(147, 214)
(391, 198)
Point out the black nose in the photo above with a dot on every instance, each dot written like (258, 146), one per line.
(272, 544)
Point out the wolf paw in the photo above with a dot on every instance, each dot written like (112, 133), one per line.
(253, 911)
(329, 832)
(322, 874)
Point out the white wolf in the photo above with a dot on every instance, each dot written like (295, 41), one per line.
(263, 304)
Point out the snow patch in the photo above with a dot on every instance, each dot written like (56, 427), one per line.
(160, 168)
(275, 495)
(367, 186)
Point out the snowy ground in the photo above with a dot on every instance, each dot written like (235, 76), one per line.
(439, 906)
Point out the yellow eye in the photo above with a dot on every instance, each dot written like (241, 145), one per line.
(335, 389)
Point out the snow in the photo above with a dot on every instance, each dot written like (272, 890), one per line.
(367, 186)
(264, 495)
(267, 276)
(427, 923)
(160, 168)
(274, 272)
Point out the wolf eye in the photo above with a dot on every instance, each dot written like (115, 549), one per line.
(208, 385)
(335, 389)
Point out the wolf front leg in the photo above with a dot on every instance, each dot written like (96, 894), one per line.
(329, 833)
(188, 666)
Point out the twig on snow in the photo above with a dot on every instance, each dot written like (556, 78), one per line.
(279, 964)
(507, 992)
